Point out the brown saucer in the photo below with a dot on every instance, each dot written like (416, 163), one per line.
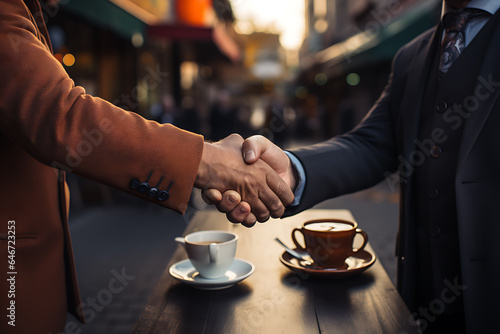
(355, 264)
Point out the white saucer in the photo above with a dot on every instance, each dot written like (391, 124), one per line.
(186, 273)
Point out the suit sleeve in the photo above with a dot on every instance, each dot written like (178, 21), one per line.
(60, 125)
(351, 162)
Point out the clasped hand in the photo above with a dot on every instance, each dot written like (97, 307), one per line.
(250, 180)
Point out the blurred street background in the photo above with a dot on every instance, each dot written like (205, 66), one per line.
(295, 71)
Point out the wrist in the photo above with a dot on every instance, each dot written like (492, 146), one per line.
(294, 176)
(294, 172)
(201, 179)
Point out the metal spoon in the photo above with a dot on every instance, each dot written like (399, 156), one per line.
(306, 259)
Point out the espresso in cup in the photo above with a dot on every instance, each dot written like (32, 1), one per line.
(210, 252)
(329, 241)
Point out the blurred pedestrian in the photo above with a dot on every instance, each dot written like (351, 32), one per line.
(222, 116)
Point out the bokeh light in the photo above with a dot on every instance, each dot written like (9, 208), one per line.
(301, 92)
(321, 79)
(352, 79)
(137, 40)
(69, 59)
(321, 26)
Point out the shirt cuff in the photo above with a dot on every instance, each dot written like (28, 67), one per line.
(301, 182)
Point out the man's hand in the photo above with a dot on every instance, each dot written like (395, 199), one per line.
(259, 147)
(222, 168)
(228, 202)
(253, 148)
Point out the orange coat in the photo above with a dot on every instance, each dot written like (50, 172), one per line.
(47, 124)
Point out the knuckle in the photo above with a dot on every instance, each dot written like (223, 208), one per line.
(289, 200)
(263, 218)
(232, 219)
(248, 223)
(276, 206)
(258, 137)
(278, 213)
(283, 189)
(236, 136)
(222, 208)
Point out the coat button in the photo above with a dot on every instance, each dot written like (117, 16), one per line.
(441, 106)
(134, 184)
(435, 231)
(152, 192)
(433, 194)
(163, 196)
(435, 151)
(143, 187)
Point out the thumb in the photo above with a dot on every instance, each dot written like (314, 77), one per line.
(254, 147)
(259, 147)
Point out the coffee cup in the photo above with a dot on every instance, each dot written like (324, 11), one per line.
(329, 241)
(210, 252)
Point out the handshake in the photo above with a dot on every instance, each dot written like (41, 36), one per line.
(249, 180)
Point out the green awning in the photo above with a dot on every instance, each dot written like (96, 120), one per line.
(106, 14)
(372, 47)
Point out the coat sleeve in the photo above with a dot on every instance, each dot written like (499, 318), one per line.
(60, 125)
(351, 162)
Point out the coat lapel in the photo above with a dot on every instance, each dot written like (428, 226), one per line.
(409, 111)
(486, 94)
(411, 105)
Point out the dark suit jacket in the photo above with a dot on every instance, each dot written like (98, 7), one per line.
(47, 122)
(384, 143)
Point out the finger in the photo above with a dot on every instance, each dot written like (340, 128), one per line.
(260, 211)
(230, 199)
(253, 147)
(272, 202)
(211, 196)
(259, 147)
(274, 193)
(249, 221)
(240, 213)
(281, 189)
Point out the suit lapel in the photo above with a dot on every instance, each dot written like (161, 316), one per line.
(411, 105)
(486, 94)
(409, 111)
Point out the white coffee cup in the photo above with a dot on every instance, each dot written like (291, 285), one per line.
(210, 252)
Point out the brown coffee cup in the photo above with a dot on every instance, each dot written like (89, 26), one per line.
(329, 241)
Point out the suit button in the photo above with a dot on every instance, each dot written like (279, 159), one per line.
(435, 231)
(152, 192)
(433, 194)
(163, 196)
(134, 184)
(143, 187)
(441, 106)
(435, 151)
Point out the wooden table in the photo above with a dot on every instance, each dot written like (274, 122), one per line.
(274, 299)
